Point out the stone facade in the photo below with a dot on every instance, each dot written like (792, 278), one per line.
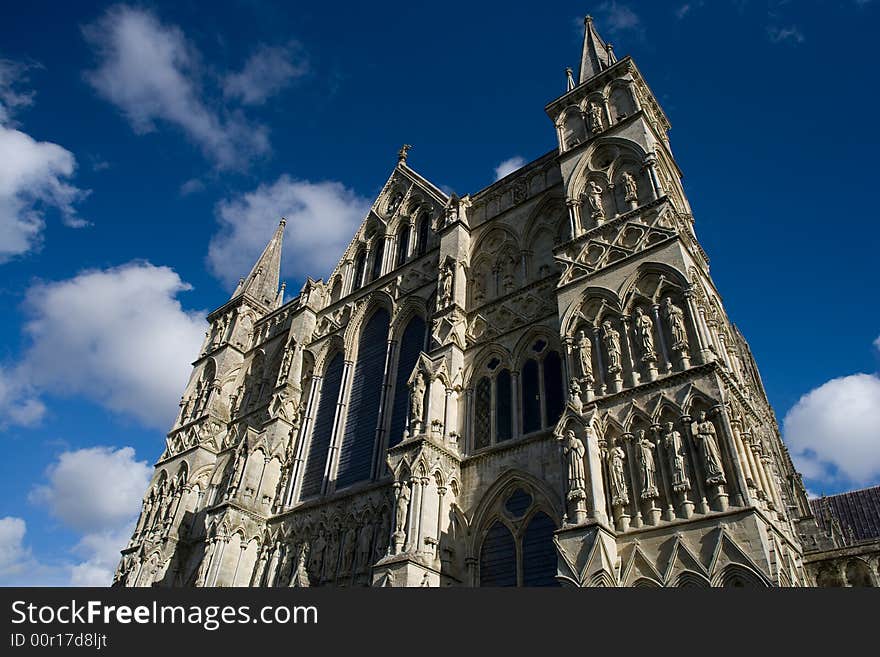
(530, 385)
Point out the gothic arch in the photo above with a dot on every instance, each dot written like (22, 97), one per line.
(591, 299)
(671, 278)
(412, 306)
(361, 317)
(333, 345)
(522, 350)
(739, 576)
(583, 169)
(691, 579)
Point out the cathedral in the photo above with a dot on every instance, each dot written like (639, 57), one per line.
(535, 384)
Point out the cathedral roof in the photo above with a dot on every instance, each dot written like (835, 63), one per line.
(857, 512)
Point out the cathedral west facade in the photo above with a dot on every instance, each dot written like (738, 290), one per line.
(531, 385)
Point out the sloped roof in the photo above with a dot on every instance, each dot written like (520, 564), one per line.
(858, 513)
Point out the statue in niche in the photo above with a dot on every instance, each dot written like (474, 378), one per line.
(675, 449)
(365, 538)
(645, 331)
(596, 118)
(394, 203)
(649, 469)
(286, 360)
(234, 399)
(316, 555)
(630, 187)
(594, 197)
(445, 287)
(401, 509)
(574, 395)
(417, 401)
(331, 560)
(617, 458)
(574, 451)
(704, 434)
(675, 318)
(450, 212)
(585, 355)
(382, 536)
(350, 548)
(611, 338)
(238, 466)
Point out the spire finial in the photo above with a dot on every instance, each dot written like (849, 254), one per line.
(588, 19)
(283, 222)
(402, 153)
(595, 55)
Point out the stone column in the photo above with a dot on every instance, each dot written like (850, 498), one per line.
(741, 496)
(597, 484)
(650, 163)
(241, 549)
(218, 559)
(415, 508)
(627, 346)
(635, 485)
(441, 493)
(516, 429)
(257, 579)
(574, 219)
(600, 379)
(423, 509)
(705, 355)
(743, 452)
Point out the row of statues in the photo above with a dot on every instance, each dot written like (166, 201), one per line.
(644, 332)
(644, 451)
(594, 192)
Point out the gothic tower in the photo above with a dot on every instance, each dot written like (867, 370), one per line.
(535, 384)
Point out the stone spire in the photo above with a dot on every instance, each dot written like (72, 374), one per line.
(262, 283)
(596, 55)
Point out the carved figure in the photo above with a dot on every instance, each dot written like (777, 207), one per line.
(585, 355)
(645, 331)
(646, 460)
(401, 509)
(675, 318)
(675, 449)
(596, 118)
(619, 494)
(594, 197)
(630, 187)
(611, 338)
(417, 400)
(704, 434)
(574, 451)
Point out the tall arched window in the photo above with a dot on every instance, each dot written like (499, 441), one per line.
(423, 227)
(411, 345)
(542, 388)
(493, 405)
(316, 461)
(402, 244)
(498, 557)
(378, 254)
(356, 451)
(360, 261)
(518, 549)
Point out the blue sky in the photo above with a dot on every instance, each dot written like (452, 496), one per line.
(147, 150)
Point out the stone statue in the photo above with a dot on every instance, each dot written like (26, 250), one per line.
(417, 400)
(450, 212)
(594, 196)
(574, 395)
(630, 187)
(445, 291)
(394, 203)
(365, 538)
(675, 449)
(675, 317)
(401, 509)
(645, 331)
(316, 556)
(585, 355)
(574, 451)
(704, 434)
(646, 460)
(617, 458)
(286, 360)
(596, 118)
(611, 338)
(350, 548)
(403, 153)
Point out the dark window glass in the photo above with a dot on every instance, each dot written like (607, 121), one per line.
(402, 243)
(498, 557)
(316, 461)
(378, 254)
(553, 387)
(482, 411)
(518, 503)
(503, 421)
(539, 553)
(424, 227)
(531, 397)
(360, 261)
(410, 347)
(356, 452)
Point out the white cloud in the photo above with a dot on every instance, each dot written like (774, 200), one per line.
(152, 73)
(833, 433)
(618, 18)
(192, 186)
(14, 556)
(94, 490)
(267, 71)
(790, 34)
(34, 175)
(118, 337)
(19, 405)
(321, 218)
(508, 166)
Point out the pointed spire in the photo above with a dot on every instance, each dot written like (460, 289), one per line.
(596, 55)
(279, 300)
(402, 153)
(569, 84)
(262, 283)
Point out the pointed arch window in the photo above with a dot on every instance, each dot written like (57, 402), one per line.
(360, 261)
(424, 226)
(378, 255)
(411, 345)
(359, 437)
(493, 405)
(319, 447)
(541, 388)
(402, 244)
(498, 557)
